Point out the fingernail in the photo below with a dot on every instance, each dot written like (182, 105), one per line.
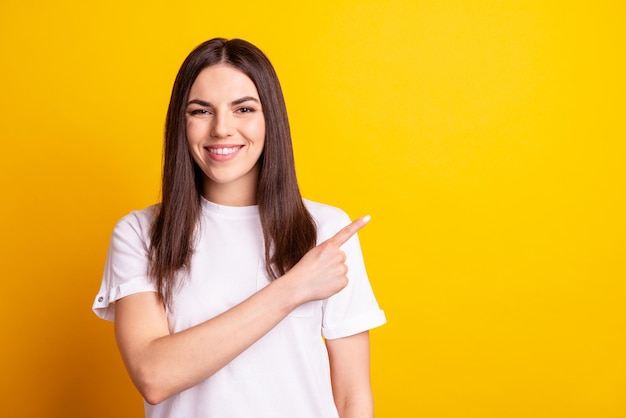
(366, 218)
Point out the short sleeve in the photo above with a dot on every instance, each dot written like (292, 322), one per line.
(126, 266)
(354, 309)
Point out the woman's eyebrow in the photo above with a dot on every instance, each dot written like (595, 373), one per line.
(243, 100)
(233, 103)
(199, 102)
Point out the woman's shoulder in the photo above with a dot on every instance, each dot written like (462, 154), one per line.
(329, 219)
(324, 211)
(140, 221)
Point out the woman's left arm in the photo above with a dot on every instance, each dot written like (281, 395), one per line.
(350, 375)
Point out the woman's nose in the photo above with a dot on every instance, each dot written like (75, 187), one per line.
(223, 125)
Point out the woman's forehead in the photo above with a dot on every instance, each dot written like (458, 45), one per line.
(222, 81)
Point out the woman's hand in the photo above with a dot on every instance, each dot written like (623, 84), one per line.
(322, 271)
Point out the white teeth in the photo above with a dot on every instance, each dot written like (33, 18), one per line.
(223, 151)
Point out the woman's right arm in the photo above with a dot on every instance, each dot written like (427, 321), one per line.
(162, 364)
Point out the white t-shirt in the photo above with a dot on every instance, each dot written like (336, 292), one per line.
(286, 373)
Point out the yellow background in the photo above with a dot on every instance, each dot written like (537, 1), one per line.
(486, 139)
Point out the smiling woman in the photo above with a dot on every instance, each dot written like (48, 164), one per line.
(226, 134)
(221, 293)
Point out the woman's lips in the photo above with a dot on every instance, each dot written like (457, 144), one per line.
(223, 152)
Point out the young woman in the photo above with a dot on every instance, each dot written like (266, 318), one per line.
(222, 293)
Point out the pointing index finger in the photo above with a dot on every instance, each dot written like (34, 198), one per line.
(348, 231)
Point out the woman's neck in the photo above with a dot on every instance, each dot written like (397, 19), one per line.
(230, 194)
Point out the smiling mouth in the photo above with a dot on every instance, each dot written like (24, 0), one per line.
(223, 150)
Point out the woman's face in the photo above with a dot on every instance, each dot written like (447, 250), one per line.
(226, 133)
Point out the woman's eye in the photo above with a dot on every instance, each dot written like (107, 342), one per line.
(245, 110)
(198, 112)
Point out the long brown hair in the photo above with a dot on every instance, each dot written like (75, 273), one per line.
(288, 228)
